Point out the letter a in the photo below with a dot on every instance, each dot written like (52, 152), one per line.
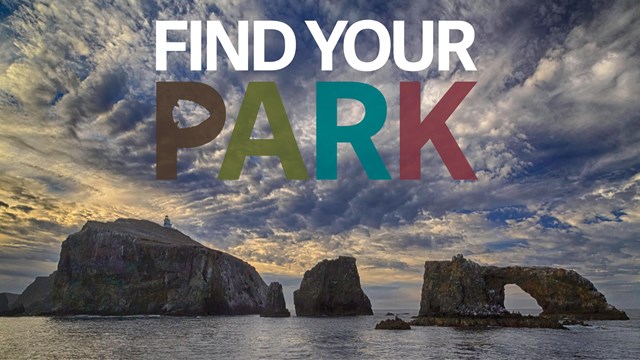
(283, 144)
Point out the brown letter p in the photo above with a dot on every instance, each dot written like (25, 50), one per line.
(169, 137)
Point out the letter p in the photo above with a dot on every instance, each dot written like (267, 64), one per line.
(169, 137)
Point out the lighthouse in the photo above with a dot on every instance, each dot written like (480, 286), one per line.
(167, 222)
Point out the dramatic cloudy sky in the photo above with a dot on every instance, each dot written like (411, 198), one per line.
(552, 131)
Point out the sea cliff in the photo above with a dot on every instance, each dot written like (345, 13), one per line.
(133, 267)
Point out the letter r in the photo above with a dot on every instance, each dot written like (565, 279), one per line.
(329, 134)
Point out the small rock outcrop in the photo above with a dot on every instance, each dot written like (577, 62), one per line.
(133, 267)
(461, 287)
(276, 305)
(332, 288)
(393, 324)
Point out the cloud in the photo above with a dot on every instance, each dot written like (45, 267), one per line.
(24, 208)
(547, 130)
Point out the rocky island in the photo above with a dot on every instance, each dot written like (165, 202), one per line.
(461, 292)
(134, 267)
(276, 305)
(393, 324)
(332, 288)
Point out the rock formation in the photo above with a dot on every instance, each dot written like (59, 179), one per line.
(332, 288)
(7, 300)
(36, 298)
(393, 324)
(275, 306)
(4, 303)
(461, 287)
(139, 267)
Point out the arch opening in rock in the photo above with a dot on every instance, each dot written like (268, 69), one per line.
(517, 300)
(461, 287)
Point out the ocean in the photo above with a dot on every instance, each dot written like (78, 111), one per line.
(253, 337)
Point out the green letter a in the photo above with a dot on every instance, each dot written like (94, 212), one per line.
(283, 144)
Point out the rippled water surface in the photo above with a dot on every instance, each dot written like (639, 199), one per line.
(252, 337)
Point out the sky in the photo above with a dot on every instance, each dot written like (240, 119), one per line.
(551, 129)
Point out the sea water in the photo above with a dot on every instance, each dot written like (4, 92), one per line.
(253, 337)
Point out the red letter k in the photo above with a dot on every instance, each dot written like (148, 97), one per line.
(414, 134)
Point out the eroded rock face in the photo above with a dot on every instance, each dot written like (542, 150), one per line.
(332, 288)
(463, 288)
(276, 305)
(139, 267)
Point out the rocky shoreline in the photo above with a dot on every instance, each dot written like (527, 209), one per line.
(507, 320)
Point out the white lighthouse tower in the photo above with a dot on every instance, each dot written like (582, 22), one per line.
(167, 222)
